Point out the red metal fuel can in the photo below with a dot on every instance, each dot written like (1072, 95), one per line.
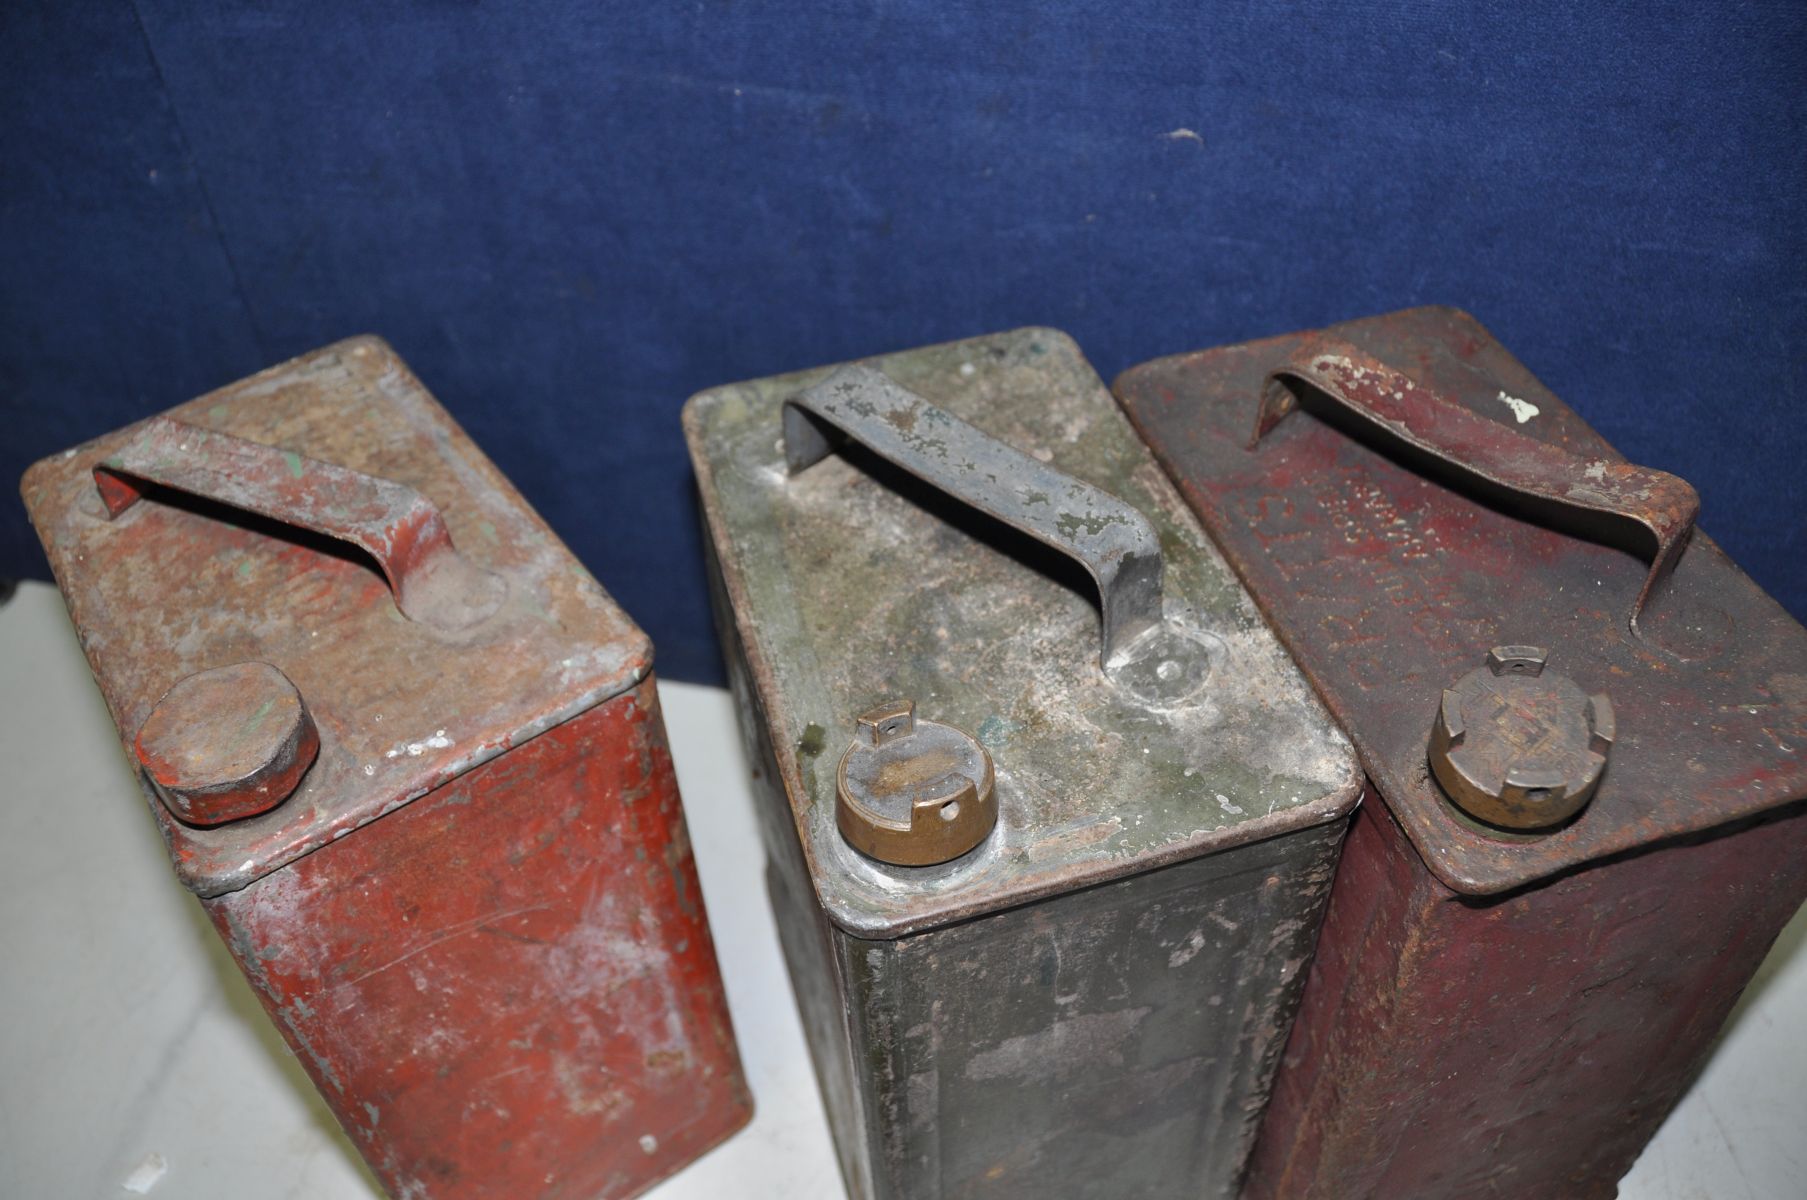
(409, 756)
(1585, 734)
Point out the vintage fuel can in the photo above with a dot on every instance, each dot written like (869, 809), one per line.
(409, 755)
(1050, 817)
(1586, 763)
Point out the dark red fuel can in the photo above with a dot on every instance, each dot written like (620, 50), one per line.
(409, 756)
(1585, 734)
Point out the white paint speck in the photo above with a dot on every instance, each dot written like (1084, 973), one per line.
(1223, 802)
(967, 370)
(1188, 952)
(439, 741)
(146, 1175)
(1182, 134)
(1524, 410)
(648, 1142)
(369, 769)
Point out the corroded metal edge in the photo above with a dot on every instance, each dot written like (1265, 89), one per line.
(921, 912)
(611, 654)
(1462, 854)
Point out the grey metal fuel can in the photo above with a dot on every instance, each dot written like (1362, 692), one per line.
(1050, 816)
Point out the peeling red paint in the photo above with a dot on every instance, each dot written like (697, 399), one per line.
(1497, 1014)
(512, 1026)
(476, 919)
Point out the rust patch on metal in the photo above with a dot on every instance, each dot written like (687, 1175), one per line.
(1389, 572)
(228, 743)
(1497, 1012)
(393, 523)
(1517, 744)
(475, 919)
(174, 585)
(528, 1023)
(1663, 504)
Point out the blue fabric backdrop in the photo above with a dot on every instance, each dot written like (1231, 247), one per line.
(568, 217)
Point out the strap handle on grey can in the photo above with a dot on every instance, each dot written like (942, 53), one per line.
(1112, 540)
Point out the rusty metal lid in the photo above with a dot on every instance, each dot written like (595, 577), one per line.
(1426, 500)
(327, 518)
(1135, 708)
(227, 743)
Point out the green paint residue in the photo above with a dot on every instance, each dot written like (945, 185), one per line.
(994, 731)
(813, 741)
(531, 602)
(257, 717)
(294, 461)
(487, 530)
(1072, 524)
(217, 412)
(243, 570)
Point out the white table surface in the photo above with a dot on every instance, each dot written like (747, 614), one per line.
(132, 1051)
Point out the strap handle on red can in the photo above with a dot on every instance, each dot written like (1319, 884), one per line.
(1664, 504)
(393, 523)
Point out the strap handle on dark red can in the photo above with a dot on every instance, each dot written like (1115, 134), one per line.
(393, 523)
(1664, 504)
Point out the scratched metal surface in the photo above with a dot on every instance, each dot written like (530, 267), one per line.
(1119, 1041)
(1116, 1040)
(1389, 584)
(1525, 1045)
(1092, 1003)
(851, 584)
(508, 988)
(169, 588)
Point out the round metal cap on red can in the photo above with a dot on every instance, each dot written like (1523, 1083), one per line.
(227, 743)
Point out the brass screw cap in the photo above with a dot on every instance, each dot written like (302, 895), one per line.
(1519, 746)
(913, 793)
(227, 743)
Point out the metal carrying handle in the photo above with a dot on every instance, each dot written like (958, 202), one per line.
(393, 523)
(1112, 540)
(1662, 503)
